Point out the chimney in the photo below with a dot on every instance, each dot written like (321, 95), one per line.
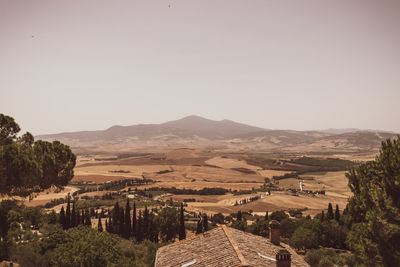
(274, 232)
(283, 258)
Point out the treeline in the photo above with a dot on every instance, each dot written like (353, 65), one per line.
(246, 200)
(29, 166)
(114, 185)
(176, 191)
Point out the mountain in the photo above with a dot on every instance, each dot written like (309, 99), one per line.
(224, 134)
(190, 127)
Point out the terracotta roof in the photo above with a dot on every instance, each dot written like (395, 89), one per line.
(223, 246)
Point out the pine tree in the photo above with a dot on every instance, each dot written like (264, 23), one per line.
(134, 226)
(205, 222)
(329, 215)
(337, 213)
(182, 231)
(127, 223)
(99, 224)
(63, 221)
(322, 216)
(68, 215)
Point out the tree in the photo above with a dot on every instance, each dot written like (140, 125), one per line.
(205, 222)
(63, 220)
(375, 207)
(146, 223)
(84, 246)
(27, 166)
(304, 238)
(322, 216)
(74, 219)
(266, 215)
(239, 215)
(99, 225)
(199, 228)
(139, 233)
(88, 221)
(68, 215)
(329, 214)
(168, 222)
(134, 226)
(337, 213)
(127, 223)
(121, 228)
(115, 218)
(182, 231)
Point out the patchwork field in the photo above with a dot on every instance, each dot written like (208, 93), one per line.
(243, 175)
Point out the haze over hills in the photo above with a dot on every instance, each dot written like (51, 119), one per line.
(198, 131)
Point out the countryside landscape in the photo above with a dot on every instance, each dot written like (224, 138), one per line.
(188, 133)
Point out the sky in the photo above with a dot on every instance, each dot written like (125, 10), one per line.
(279, 64)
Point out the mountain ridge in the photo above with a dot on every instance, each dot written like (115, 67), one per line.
(226, 132)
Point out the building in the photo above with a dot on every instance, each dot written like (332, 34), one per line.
(226, 246)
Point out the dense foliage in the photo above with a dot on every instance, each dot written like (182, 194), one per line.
(27, 166)
(375, 207)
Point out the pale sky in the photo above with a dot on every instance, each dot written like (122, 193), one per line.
(88, 65)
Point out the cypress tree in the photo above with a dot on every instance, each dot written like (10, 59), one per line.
(134, 220)
(139, 233)
(88, 221)
(110, 224)
(205, 222)
(322, 216)
(68, 215)
(329, 215)
(107, 229)
(115, 218)
(63, 221)
(199, 227)
(337, 213)
(99, 224)
(83, 217)
(127, 223)
(266, 215)
(121, 222)
(182, 231)
(78, 217)
(74, 221)
(239, 216)
(146, 223)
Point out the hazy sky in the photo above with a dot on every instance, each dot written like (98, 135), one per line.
(86, 65)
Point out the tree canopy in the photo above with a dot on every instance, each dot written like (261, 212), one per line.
(375, 207)
(27, 166)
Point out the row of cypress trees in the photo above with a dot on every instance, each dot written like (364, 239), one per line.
(140, 227)
(72, 218)
(330, 215)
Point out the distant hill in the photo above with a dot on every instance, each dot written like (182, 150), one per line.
(194, 130)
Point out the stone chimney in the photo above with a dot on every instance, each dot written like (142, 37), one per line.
(283, 258)
(274, 232)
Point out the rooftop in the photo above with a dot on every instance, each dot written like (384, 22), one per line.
(224, 246)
